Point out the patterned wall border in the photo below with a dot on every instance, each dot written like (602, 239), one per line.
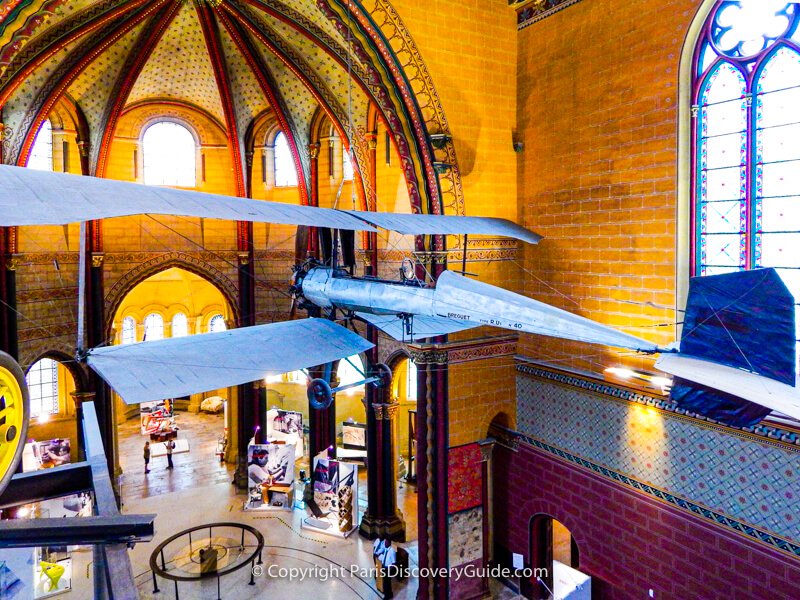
(533, 11)
(513, 438)
(762, 432)
(463, 351)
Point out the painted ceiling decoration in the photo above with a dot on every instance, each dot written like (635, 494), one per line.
(236, 60)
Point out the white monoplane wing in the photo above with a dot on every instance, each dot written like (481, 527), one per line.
(178, 367)
(422, 326)
(742, 384)
(457, 297)
(31, 197)
(447, 225)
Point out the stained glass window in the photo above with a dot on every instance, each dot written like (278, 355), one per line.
(285, 171)
(128, 330)
(153, 327)
(42, 380)
(217, 323)
(747, 141)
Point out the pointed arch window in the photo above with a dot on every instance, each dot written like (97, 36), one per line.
(285, 172)
(746, 136)
(169, 155)
(180, 325)
(128, 330)
(41, 156)
(153, 327)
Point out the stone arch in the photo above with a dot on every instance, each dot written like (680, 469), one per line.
(161, 263)
(76, 369)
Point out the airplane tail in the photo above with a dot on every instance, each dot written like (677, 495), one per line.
(744, 320)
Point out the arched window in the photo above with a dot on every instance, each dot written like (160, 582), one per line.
(285, 172)
(347, 165)
(41, 156)
(42, 379)
(128, 330)
(180, 325)
(217, 323)
(746, 161)
(169, 155)
(153, 327)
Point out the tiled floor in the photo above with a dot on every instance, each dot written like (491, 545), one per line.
(198, 491)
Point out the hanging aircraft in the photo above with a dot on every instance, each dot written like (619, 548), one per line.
(735, 362)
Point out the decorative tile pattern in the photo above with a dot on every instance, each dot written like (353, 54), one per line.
(180, 67)
(94, 87)
(247, 97)
(464, 478)
(719, 474)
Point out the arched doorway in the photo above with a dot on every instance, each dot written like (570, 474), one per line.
(551, 545)
(404, 388)
(174, 303)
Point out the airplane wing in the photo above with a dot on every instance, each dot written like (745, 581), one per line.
(736, 382)
(457, 297)
(31, 197)
(447, 224)
(178, 367)
(422, 326)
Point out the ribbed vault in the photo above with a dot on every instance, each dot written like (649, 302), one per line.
(235, 60)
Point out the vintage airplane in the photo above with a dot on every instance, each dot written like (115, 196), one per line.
(735, 362)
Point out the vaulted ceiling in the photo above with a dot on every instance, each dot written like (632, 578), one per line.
(231, 59)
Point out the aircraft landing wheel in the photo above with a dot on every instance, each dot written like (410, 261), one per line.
(319, 393)
(14, 413)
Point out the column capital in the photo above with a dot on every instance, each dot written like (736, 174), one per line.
(313, 150)
(429, 356)
(81, 397)
(97, 259)
(244, 258)
(13, 262)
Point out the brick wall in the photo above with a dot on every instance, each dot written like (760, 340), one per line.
(597, 112)
(630, 543)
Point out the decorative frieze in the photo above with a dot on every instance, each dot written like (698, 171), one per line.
(532, 11)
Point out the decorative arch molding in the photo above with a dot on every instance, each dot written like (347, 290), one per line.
(77, 370)
(684, 183)
(179, 260)
(207, 129)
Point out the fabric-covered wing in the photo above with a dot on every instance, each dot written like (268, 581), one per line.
(189, 365)
(457, 297)
(744, 320)
(756, 389)
(447, 225)
(422, 326)
(30, 197)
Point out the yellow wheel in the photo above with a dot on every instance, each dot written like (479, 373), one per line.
(14, 408)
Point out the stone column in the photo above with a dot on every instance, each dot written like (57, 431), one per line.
(9, 262)
(382, 519)
(322, 423)
(247, 395)
(432, 467)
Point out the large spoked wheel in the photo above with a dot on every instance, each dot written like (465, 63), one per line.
(14, 407)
